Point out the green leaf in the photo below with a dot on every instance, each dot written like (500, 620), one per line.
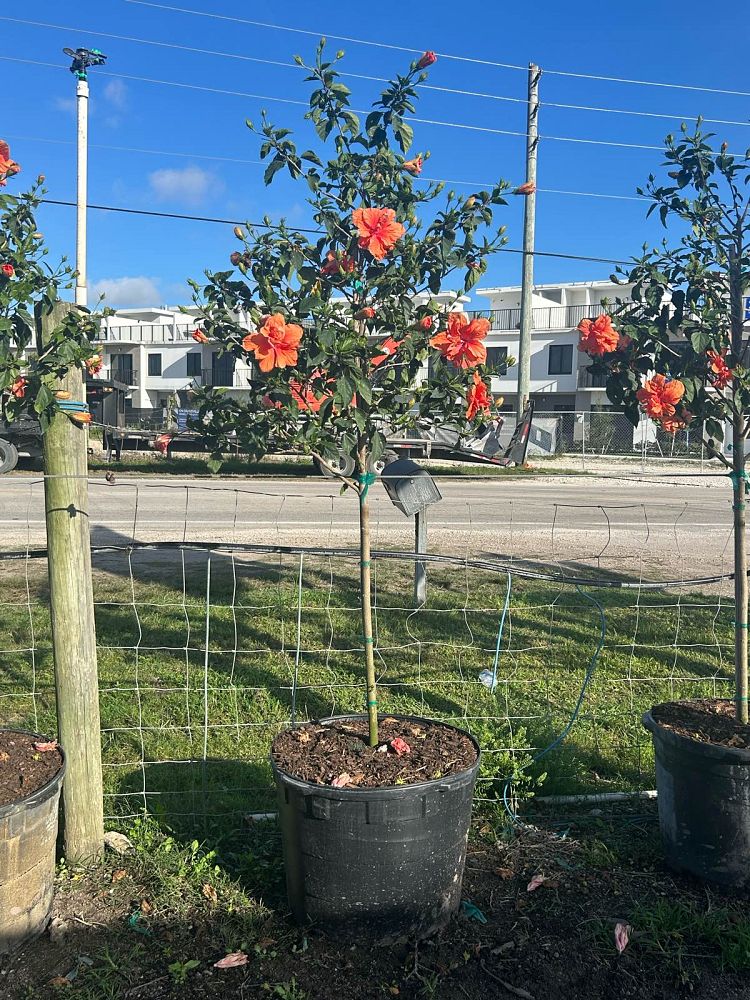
(273, 168)
(700, 341)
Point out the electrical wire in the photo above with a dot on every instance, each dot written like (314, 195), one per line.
(363, 76)
(410, 118)
(298, 229)
(259, 163)
(443, 55)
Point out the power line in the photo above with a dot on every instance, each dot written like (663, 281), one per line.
(317, 232)
(259, 163)
(137, 149)
(288, 100)
(443, 55)
(363, 76)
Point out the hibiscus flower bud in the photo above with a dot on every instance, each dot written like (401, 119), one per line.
(238, 232)
(413, 166)
(235, 258)
(40, 179)
(427, 60)
(199, 337)
(528, 187)
(8, 270)
(367, 312)
(426, 323)
(724, 147)
(470, 201)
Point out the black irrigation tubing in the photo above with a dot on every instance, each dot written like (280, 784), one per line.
(489, 565)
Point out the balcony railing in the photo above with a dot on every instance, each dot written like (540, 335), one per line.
(591, 380)
(128, 376)
(543, 317)
(215, 376)
(147, 333)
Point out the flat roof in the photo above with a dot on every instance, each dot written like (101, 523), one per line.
(560, 285)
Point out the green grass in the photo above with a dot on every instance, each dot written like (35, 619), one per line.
(149, 463)
(157, 692)
(682, 932)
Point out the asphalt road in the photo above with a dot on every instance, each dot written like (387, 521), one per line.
(677, 526)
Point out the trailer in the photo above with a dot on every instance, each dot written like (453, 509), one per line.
(106, 401)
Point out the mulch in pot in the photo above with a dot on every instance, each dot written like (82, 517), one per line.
(706, 720)
(24, 767)
(338, 752)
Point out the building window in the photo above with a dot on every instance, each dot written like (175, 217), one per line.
(560, 359)
(154, 364)
(194, 363)
(497, 358)
(222, 369)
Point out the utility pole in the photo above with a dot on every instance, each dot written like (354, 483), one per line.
(529, 222)
(82, 60)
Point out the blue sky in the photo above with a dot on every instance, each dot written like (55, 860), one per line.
(140, 261)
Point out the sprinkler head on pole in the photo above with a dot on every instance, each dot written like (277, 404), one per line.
(83, 59)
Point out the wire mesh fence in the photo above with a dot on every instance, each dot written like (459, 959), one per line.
(584, 439)
(225, 613)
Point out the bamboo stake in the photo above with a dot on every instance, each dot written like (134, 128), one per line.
(365, 585)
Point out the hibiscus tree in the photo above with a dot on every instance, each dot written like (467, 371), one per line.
(676, 350)
(27, 284)
(340, 317)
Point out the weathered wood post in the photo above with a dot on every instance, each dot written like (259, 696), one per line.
(66, 503)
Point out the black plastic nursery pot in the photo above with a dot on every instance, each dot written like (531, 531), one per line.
(389, 858)
(704, 805)
(28, 834)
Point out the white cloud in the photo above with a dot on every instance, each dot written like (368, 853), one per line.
(117, 94)
(66, 104)
(127, 292)
(190, 185)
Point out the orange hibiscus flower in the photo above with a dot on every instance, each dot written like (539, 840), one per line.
(305, 398)
(337, 265)
(94, 364)
(275, 344)
(478, 398)
(718, 370)
(18, 389)
(378, 230)
(389, 348)
(659, 395)
(597, 336)
(413, 166)
(462, 343)
(199, 337)
(676, 423)
(8, 167)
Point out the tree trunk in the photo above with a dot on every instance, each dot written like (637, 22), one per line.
(740, 493)
(740, 569)
(365, 588)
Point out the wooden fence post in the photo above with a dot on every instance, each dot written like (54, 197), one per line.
(66, 502)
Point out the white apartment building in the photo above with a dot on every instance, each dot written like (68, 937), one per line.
(559, 380)
(152, 352)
